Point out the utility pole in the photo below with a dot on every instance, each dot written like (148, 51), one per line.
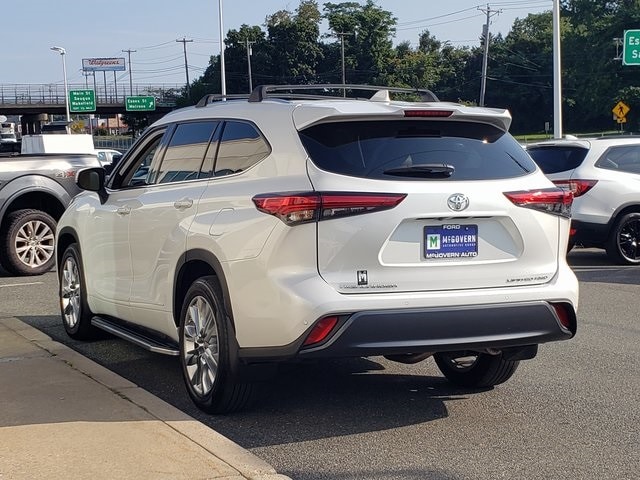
(130, 77)
(248, 44)
(184, 42)
(344, 80)
(485, 58)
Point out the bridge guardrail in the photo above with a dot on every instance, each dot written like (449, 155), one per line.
(54, 94)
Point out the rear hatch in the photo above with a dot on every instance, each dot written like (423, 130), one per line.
(558, 158)
(470, 211)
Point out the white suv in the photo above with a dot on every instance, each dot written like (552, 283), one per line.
(240, 233)
(604, 176)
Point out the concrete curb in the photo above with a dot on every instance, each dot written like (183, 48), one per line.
(250, 466)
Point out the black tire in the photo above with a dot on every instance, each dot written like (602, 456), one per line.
(74, 310)
(209, 367)
(475, 370)
(27, 242)
(623, 244)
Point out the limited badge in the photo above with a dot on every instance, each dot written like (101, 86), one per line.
(363, 278)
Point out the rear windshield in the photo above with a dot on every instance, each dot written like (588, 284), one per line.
(555, 159)
(416, 149)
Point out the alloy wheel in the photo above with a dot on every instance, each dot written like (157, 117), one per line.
(201, 345)
(34, 243)
(70, 292)
(629, 240)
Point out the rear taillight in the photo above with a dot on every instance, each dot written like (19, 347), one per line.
(295, 208)
(577, 187)
(550, 200)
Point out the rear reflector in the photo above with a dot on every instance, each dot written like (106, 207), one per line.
(550, 200)
(577, 187)
(565, 315)
(302, 207)
(428, 113)
(321, 330)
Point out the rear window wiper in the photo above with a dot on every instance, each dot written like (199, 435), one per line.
(429, 170)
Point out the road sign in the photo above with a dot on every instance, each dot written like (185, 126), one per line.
(631, 47)
(82, 101)
(621, 109)
(140, 104)
(621, 120)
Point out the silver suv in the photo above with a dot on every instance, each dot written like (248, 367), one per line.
(240, 233)
(604, 176)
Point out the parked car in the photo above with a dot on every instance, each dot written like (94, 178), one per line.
(604, 176)
(241, 233)
(108, 158)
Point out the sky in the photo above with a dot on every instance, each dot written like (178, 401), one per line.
(87, 29)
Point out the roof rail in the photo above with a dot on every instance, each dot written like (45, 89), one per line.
(261, 92)
(216, 97)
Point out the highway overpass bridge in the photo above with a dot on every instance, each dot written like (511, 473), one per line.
(36, 103)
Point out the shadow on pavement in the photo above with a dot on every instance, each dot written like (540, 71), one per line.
(303, 401)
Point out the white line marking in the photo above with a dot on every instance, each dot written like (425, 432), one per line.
(21, 284)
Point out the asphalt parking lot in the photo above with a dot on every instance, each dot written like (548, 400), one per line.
(570, 413)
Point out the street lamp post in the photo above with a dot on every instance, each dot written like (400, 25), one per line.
(557, 72)
(223, 82)
(62, 53)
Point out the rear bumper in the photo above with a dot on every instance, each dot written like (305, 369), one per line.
(589, 234)
(418, 330)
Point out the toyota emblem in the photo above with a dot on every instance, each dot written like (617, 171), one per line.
(458, 202)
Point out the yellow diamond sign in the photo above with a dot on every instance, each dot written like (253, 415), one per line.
(621, 109)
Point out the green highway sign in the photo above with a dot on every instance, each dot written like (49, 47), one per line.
(82, 101)
(140, 104)
(631, 47)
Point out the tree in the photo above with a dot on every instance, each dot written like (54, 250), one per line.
(136, 122)
(412, 68)
(453, 66)
(369, 51)
(237, 69)
(294, 45)
(521, 75)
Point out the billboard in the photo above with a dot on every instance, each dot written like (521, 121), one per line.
(103, 64)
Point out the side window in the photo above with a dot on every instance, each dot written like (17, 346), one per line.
(185, 152)
(135, 172)
(624, 159)
(241, 146)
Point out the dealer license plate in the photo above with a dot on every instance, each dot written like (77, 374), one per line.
(450, 241)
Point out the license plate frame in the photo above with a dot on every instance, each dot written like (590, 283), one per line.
(450, 240)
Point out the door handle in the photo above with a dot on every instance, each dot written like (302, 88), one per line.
(183, 204)
(123, 210)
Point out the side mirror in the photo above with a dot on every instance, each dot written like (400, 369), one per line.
(93, 180)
